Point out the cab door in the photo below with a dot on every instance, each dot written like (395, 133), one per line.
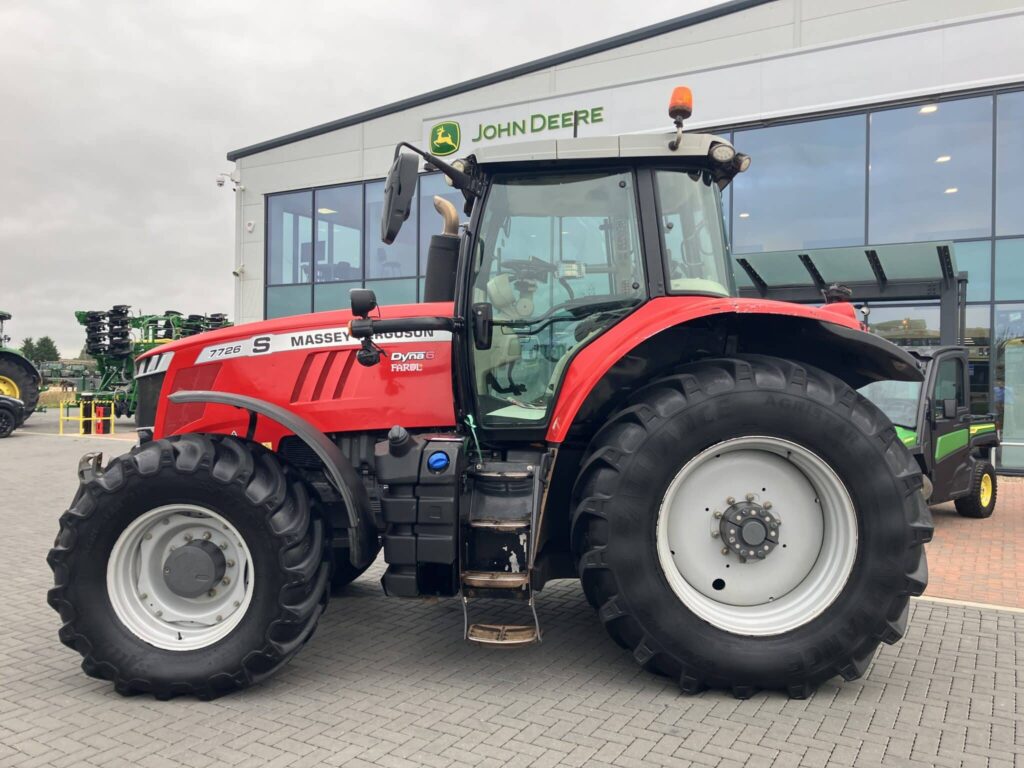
(950, 417)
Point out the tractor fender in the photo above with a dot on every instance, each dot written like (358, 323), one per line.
(663, 334)
(24, 362)
(339, 469)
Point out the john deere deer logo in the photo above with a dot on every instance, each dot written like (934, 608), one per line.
(445, 138)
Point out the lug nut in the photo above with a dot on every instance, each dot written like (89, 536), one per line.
(767, 505)
(231, 563)
(730, 500)
(206, 535)
(725, 550)
(224, 545)
(188, 537)
(718, 515)
(211, 593)
(227, 579)
(714, 534)
(750, 497)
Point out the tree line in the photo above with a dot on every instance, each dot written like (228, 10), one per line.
(42, 351)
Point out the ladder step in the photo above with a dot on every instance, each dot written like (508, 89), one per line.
(507, 635)
(496, 579)
(501, 525)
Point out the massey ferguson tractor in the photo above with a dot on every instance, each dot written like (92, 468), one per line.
(582, 396)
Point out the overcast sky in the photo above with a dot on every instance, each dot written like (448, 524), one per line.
(115, 117)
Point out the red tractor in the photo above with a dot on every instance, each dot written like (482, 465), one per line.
(581, 396)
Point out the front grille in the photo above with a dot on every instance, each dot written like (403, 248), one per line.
(147, 395)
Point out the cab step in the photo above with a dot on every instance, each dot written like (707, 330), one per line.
(505, 635)
(496, 579)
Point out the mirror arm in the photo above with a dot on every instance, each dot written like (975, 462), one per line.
(461, 179)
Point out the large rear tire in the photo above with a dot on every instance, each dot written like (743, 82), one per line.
(212, 502)
(17, 381)
(657, 501)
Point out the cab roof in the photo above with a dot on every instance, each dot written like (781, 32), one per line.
(599, 147)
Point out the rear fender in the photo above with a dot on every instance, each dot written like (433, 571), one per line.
(652, 343)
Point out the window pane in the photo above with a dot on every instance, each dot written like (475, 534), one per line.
(339, 234)
(1009, 269)
(948, 382)
(393, 291)
(804, 189)
(691, 229)
(288, 300)
(931, 172)
(1008, 389)
(397, 259)
(430, 221)
(1010, 164)
(289, 237)
(906, 326)
(977, 338)
(332, 296)
(976, 260)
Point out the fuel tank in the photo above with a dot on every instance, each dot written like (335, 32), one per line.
(307, 364)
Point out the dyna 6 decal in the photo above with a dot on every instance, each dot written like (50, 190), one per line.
(321, 338)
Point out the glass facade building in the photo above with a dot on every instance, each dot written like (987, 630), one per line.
(947, 169)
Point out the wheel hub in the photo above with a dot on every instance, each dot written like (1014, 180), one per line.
(194, 569)
(749, 529)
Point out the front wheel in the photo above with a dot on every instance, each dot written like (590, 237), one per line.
(751, 523)
(192, 565)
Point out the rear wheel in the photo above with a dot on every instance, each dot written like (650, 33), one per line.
(751, 523)
(17, 381)
(189, 566)
(981, 501)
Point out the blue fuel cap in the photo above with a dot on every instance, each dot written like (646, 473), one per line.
(438, 461)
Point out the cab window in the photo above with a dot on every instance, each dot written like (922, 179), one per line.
(693, 233)
(558, 260)
(949, 382)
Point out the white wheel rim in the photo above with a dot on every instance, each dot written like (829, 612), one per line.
(149, 608)
(816, 535)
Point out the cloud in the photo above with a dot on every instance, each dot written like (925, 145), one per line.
(116, 117)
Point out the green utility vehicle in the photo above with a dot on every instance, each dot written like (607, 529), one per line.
(19, 378)
(934, 421)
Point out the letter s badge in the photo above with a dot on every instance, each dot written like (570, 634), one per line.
(261, 345)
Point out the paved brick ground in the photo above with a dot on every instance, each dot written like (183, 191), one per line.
(390, 683)
(981, 560)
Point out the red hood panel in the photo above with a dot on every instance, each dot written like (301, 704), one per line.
(307, 364)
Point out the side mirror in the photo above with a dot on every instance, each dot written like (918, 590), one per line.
(399, 188)
(949, 409)
(363, 301)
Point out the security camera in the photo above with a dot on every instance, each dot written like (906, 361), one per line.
(237, 271)
(220, 181)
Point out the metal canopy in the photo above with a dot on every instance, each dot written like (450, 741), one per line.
(902, 272)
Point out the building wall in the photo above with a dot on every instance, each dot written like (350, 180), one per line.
(772, 61)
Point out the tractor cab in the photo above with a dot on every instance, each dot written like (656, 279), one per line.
(566, 237)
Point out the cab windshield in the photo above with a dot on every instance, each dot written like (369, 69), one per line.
(896, 399)
(558, 260)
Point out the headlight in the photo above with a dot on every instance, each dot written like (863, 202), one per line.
(722, 153)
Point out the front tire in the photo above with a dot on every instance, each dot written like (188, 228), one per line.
(145, 632)
(841, 480)
(981, 501)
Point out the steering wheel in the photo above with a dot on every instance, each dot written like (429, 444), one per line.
(535, 269)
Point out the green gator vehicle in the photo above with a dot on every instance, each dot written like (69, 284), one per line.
(933, 419)
(19, 378)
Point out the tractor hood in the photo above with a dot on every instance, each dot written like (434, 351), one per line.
(307, 364)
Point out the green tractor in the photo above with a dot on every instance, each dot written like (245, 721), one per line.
(933, 419)
(19, 378)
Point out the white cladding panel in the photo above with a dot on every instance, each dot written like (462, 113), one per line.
(787, 58)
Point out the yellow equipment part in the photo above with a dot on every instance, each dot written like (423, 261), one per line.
(986, 490)
(9, 387)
